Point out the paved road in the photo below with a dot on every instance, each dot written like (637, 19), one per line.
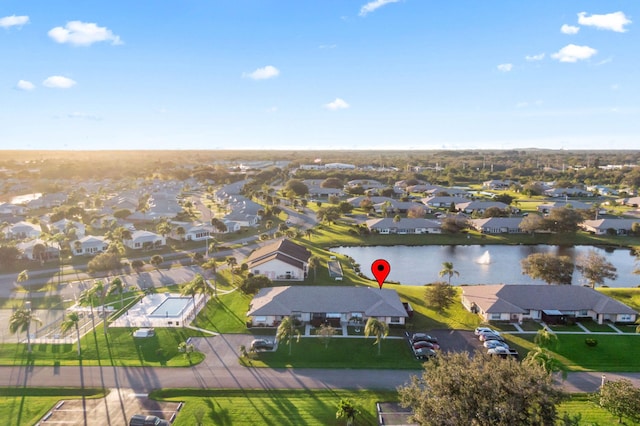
(220, 369)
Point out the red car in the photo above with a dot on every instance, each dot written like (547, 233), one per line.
(425, 344)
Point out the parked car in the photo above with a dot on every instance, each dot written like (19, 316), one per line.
(425, 353)
(425, 344)
(262, 344)
(422, 337)
(143, 420)
(503, 352)
(490, 344)
(480, 330)
(490, 336)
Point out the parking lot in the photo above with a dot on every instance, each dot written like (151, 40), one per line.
(114, 410)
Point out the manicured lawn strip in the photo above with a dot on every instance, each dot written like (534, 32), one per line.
(342, 353)
(612, 353)
(25, 406)
(530, 325)
(122, 349)
(590, 413)
(594, 326)
(227, 314)
(424, 318)
(271, 407)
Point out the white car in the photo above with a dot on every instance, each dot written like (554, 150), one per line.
(490, 344)
(481, 330)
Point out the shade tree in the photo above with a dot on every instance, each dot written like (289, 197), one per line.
(549, 268)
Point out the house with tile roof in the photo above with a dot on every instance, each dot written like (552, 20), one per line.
(282, 260)
(515, 302)
(387, 225)
(319, 304)
(497, 225)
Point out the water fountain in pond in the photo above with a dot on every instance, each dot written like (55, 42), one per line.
(485, 259)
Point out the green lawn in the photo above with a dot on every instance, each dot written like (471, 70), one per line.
(590, 413)
(228, 314)
(612, 353)
(271, 407)
(25, 406)
(119, 348)
(342, 353)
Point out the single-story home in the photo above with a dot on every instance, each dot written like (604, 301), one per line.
(517, 302)
(387, 225)
(144, 240)
(632, 202)
(577, 205)
(282, 260)
(23, 230)
(479, 206)
(320, 304)
(45, 251)
(497, 225)
(602, 226)
(90, 245)
(193, 232)
(443, 201)
(499, 184)
(64, 226)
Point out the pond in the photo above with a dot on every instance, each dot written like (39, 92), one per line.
(495, 264)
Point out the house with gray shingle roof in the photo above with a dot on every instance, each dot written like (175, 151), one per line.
(387, 225)
(319, 304)
(602, 226)
(497, 225)
(516, 302)
(282, 260)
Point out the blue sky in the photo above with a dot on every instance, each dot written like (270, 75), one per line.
(319, 74)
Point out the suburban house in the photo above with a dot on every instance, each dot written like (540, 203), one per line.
(567, 192)
(497, 225)
(65, 225)
(365, 184)
(444, 201)
(321, 304)
(479, 206)
(23, 230)
(11, 209)
(499, 184)
(163, 204)
(90, 245)
(144, 240)
(603, 226)
(46, 251)
(282, 260)
(122, 202)
(316, 190)
(633, 201)
(55, 199)
(243, 211)
(192, 232)
(516, 302)
(577, 205)
(404, 226)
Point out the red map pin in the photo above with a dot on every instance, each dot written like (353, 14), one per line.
(380, 269)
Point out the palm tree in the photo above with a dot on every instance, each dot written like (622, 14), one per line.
(309, 233)
(24, 277)
(117, 286)
(377, 328)
(286, 330)
(164, 228)
(212, 265)
(20, 321)
(545, 359)
(314, 262)
(181, 232)
(100, 291)
(87, 297)
(447, 269)
(72, 321)
(156, 260)
(197, 285)
(347, 410)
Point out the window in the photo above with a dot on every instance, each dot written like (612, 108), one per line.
(495, 316)
(395, 319)
(583, 313)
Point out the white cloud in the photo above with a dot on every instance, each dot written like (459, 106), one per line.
(574, 53)
(336, 105)
(83, 116)
(263, 73)
(83, 34)
(505, 67)
(538, 57)
(611, 21)
(569, 29)
(25, 85)
(13, 21)
(58, 82)
(373, 5)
